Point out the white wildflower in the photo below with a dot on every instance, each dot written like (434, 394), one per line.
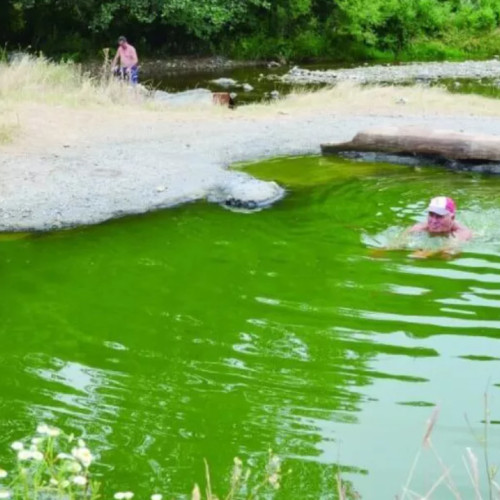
(5, 494)
(30, 455)
(36, 441)
(3, 474)
(54, 431)
(156, 496)
(75, 467)
(17, 446)
(42, 429)
(46, 430)
(80, 480)
(274, 481)
(64, 456)
(83, 455)
(24, 455)
(123, 495)
(81, 443)
(53, 481)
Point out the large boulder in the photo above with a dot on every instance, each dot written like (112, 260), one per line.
(186, 98)
(241, 191)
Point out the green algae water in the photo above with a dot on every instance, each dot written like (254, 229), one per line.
(199, 333)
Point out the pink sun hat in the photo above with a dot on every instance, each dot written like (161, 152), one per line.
(442, 205)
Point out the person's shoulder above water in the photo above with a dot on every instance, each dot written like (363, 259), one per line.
(441, 220)
(461, 232)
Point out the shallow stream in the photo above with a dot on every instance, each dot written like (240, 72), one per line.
(198, 332)
(264, 80)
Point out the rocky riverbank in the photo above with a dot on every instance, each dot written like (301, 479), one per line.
(73, 167)
(402, 73)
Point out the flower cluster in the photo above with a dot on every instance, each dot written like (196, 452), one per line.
(44, 466)
(53, 465)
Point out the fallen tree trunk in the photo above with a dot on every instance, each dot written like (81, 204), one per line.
(420, 141)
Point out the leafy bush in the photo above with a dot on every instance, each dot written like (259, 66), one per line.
(308, 44)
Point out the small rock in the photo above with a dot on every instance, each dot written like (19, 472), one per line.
(160, 189)
(273, 64)
(247, 87)
(402, 100)
(224, 82)
(274, 94)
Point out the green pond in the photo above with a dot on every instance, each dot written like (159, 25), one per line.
(201, 333)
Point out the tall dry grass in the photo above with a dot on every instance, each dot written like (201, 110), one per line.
(482, 475)
(38, 80)
(351, 98)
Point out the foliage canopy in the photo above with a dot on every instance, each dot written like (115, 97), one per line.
(247, 28)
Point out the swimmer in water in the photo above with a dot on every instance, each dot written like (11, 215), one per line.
(441, 222)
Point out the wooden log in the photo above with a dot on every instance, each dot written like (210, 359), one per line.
(421, 141)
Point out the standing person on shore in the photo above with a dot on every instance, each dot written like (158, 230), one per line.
(127, 56)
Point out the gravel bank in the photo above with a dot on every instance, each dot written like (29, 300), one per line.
(141, 165)
(396, 74)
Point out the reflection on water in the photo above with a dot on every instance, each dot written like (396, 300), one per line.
(164, 346)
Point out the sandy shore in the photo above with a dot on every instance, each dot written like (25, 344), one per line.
(75, 167)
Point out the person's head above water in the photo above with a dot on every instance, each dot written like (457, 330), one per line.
(441, 215)
(441, 220)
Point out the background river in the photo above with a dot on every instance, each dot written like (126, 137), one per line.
(263, 81)
(198, 333)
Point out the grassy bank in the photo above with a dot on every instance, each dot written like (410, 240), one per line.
(40, 99)
(44, 103)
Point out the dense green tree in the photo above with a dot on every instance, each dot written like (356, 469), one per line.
(252, 28)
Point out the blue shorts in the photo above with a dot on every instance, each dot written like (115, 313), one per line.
(131, 74)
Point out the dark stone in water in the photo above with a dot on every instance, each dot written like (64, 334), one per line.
(235, 203)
